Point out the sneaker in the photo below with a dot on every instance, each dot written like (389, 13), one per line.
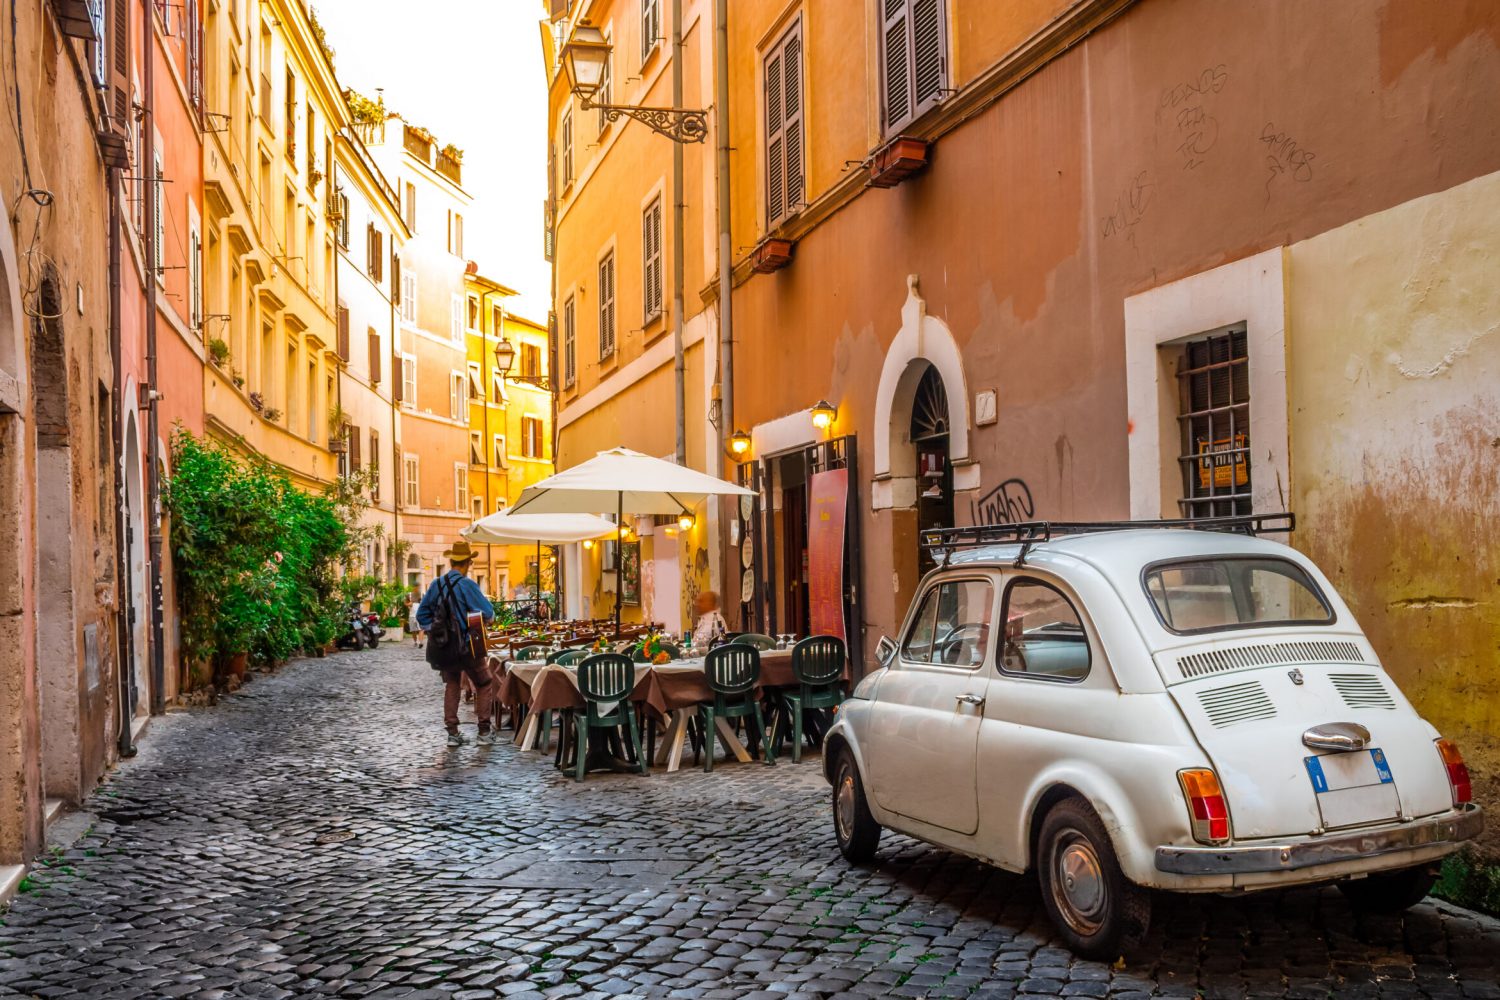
(456, 739)
(486, 739)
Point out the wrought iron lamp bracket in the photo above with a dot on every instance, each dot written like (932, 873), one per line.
(541, 382)
(677, 124)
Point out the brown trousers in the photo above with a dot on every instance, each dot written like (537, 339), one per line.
(479, 675)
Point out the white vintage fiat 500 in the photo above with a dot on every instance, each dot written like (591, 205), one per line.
(1126, 707)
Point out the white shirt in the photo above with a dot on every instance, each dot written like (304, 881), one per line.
(709, 624)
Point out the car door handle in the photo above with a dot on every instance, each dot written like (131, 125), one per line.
(971, 699)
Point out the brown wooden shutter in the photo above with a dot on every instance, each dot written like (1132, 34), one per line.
(343, 345)
(395, 276)
(791, 70)
(559, 9)
(895, 64)
(775, 142)
(398, 376)
(927, 54)
(379, 270)
(118, 42)
(354, 441)
(374, 355)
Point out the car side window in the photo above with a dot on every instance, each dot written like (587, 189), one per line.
(952, 627)
(1044, 635)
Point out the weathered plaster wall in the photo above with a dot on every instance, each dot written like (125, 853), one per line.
(1394, 368)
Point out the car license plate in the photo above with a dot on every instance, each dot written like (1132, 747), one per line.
(1353, 788)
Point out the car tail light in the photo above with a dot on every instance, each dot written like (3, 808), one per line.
(1206, 805)
(1458, 772)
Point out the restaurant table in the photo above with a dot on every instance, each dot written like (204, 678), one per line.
(671, 692)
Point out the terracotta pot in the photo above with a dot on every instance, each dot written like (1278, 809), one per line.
(237, 663)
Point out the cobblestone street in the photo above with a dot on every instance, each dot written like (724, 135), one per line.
(311, 836)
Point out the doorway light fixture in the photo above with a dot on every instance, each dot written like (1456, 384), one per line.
(824, 414)
(686, 520)
(739, 444)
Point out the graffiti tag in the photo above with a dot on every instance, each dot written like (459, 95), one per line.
(1008, 503)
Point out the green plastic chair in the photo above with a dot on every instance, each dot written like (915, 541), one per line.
(567, 657)
(756, 640)
(732, 671)
(531, 652)
(818, 665)
(604, 678)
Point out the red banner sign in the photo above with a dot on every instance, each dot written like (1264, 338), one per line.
(828, 495)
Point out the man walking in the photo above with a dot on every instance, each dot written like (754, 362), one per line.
(443, 616)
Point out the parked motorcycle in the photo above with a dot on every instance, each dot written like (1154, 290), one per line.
(363, 630)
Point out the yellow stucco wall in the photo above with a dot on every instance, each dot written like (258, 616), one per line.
(1394, 378)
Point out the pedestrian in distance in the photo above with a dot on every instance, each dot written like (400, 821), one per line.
(412, 628)
(443, 615)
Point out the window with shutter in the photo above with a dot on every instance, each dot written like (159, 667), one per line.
(412, 480)
(457, 395)
(195, 280)
(157, 227)
(343, 344)
(913, 60)
(408, 381)
(461, 486)
(651, 262)
(119, 65)
(411, 207)
(458, 234)
(650, 27)
(375, 355)
(784, 127)
(354, 441)
(567, 149)
(409, 296)
(570, 342)
(476, 448)
(374, 465)
(377, 256)
(499, 451)
(456, 319)
(605, 94)
(607, 305)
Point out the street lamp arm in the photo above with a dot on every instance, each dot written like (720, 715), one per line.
(677, 124)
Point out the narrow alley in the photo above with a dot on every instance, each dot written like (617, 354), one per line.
(311, 836)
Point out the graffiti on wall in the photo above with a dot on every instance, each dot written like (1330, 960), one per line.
(1007, 503)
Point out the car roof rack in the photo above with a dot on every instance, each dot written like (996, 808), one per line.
(946, 541)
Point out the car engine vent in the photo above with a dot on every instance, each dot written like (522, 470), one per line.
(1269, 654)
(1236, 703)
(1362, 691)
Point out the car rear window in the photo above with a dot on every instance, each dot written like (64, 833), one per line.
(1207, 595)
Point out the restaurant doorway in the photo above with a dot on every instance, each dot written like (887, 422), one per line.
(777, 555)
(929, 436)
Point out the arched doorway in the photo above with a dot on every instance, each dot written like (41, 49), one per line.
(135, 561)
(929, 439)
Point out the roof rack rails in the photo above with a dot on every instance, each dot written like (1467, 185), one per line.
(1028, 533)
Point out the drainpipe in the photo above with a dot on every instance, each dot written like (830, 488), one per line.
(123, 596)
(679, 364)
(487, 442)
(153, 450)
(726, 274)
(726, 247)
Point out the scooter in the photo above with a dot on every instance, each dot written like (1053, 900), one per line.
(372, 623)
(360, 630)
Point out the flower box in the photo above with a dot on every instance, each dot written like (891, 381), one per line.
(897, 160)
(772, 255)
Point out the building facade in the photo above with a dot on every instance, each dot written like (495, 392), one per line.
(369, 233)
(1101, 259)
(431, 338)
(62, 707)
(510, 429)
(616, 261)
(270, 269)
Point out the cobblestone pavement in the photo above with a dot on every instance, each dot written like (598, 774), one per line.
(311, 836)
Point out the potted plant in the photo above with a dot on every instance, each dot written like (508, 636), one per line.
(218, 351)
(271, 413)
(258, 401)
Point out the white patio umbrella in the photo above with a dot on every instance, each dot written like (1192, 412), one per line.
(622, 480)
(506, 528)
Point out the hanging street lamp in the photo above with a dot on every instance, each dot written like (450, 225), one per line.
(584, 58)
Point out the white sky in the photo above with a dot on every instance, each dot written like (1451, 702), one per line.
(469, 71)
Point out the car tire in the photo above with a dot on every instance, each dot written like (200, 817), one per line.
(1097, 911)
(1389, 892)
(854, 828)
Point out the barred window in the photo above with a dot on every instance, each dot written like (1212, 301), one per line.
(1213, 379)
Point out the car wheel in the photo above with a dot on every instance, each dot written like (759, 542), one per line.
(1097, 910)
(1390, 892)
(853, 826)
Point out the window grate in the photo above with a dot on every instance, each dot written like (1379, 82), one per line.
(1214, 416)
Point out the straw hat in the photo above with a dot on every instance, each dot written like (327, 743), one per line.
(460, 552)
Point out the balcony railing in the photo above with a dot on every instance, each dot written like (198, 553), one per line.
(450, 168)
(417, 144)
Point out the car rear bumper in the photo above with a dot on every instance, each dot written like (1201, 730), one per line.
(1448, 829)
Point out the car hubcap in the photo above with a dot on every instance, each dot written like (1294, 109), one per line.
(1078, 886)
(844, 804)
